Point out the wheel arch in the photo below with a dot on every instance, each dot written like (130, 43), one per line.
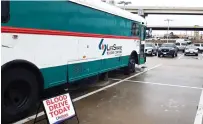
(135, 55)
(27, 65)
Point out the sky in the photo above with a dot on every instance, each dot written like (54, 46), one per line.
(178, 20)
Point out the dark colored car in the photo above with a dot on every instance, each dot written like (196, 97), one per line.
(168, 49)
(150, 49)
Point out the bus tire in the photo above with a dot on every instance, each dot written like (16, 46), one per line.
(20, 93)
(104, 76)
(131, 66)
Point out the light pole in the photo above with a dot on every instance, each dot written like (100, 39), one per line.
(168, 20)
(124, 3)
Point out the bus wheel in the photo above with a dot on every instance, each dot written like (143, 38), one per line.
(104, 76)
(19, 94)
(131, 66)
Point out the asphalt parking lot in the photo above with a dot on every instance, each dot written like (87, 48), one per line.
(168, 91)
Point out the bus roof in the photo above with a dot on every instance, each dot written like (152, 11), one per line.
(102, 6)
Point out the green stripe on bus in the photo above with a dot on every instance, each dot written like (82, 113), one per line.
(141, 61)
(66, 16)
(54, 76)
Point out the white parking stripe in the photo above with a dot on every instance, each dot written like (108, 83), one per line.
(199, 114)
(171, 85)
(89, 94)
(180, 56)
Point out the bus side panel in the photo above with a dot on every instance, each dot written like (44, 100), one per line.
(52, 53)
(82, 70)
(56, 55)
(49, 53)
(54, 75)
(93, 60)
(66, 16)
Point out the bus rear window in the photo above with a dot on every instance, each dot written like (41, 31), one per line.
(5, 11)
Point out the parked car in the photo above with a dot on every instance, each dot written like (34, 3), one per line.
(168, 49)
(181, 45)
(157, 45)
(191, 50)
(150, 49)
(199, 46)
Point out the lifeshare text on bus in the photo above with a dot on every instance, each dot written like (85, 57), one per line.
(109, 49)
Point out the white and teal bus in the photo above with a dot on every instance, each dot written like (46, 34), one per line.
(50, 43)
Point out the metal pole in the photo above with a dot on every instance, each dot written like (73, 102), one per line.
(124, 6)
(168, 28)
(168, 31)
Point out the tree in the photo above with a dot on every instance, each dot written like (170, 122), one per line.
(171, 34)
(112, 2)
(103, 0)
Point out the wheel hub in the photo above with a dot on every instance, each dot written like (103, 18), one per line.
(132, 63)
(16, 95)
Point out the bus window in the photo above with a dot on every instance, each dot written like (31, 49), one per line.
(5, 11)
(142, 33)
(133, 30)
(137, 30)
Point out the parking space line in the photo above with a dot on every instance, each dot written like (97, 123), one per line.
(199, 114)
(180, 56)
(91, 93)
(171, 85)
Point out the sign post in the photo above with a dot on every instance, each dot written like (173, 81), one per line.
(140, 12)
(58, 109)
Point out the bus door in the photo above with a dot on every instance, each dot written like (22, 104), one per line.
(142, 57)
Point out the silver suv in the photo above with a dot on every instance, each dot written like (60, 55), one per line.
(199, 46)
(150, 49)
(181, 46)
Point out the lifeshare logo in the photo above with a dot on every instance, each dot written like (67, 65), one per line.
(111, 49)
(103, 46)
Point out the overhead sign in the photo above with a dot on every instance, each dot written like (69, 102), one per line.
(59, 108)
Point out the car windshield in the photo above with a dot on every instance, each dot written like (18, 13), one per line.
(202, 45)
(197, 44)
(149, 45)
(167, 45)
(177, 44)
(191, 47)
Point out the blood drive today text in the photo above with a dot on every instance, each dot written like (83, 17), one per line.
(58, 105)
